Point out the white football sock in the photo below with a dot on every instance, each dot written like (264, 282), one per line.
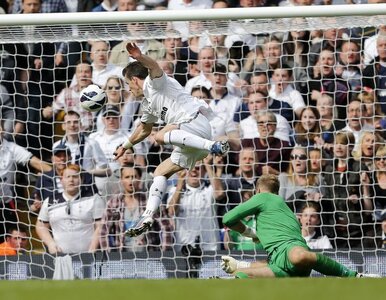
(156, 193)
(183, 138)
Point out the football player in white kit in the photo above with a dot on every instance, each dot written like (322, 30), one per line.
(187, 126)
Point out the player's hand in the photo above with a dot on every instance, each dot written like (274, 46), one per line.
(133, 50)
(119, 152)
(228, 264)
(54, 249)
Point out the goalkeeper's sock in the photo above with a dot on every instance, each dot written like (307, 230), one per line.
(330, 267)
(183, 138)
(156, 193)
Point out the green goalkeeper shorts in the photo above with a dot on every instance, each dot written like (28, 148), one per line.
(280, 264)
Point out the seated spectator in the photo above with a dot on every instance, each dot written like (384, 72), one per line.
(311, 230)
(16, 241)
(68, 98)
(257, 103)
(298, 184)
(272, 153)
(106, 5)
(370, 51)
(123, 210)
(282, 89)
(307, 129)
(325, 80)
(348, 186)
(192, 203)
(11, 156)
(69, 222)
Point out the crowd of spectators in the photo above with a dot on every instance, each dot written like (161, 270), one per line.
(307, 106)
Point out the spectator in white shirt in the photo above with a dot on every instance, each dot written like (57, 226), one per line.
(311, 231)
(282, 89)
(73, 216)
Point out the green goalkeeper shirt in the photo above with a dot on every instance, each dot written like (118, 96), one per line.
(276, 224)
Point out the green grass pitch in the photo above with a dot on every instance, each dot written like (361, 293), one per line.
(216, 289)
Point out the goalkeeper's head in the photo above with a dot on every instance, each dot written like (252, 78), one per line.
(268, 184)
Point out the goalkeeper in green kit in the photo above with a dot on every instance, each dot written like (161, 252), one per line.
(279, 232)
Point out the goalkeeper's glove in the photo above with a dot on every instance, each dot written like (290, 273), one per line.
(230, 265)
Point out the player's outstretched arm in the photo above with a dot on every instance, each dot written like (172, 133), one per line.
(141, 132)
(134, 52)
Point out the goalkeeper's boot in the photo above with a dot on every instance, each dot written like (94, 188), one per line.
(365, 275)
(220, 148)
(141, 226)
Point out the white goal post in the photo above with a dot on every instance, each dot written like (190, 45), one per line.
(262, 24)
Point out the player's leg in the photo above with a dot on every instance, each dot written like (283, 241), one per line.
(156, 193)
(303, 259)
(195, 134)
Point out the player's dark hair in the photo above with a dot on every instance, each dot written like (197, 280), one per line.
(135, 69)
(269, 183)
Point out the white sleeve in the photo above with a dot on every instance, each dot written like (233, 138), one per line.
(148, 118)
(58, 104)
(99, 207)
(159, 83)
(43, 214)
(297, 101)
(98, 155)
(21, 155)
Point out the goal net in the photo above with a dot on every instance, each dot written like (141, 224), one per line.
(298, 92)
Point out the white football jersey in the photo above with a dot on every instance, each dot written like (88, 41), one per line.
(166, 99)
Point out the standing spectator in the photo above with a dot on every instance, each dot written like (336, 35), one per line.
(311, 230)
(349, 66)
(12, 155)
(324, 80)
(369, 143)
(223, 106)
(257, 103)
(356, 121)
(108, 140)
(374, 75)
(73, 216)
(192, 205)
(84, 152)
(282, 89)
(68, 99)
(348, 186)
(183, 27)
(117, 95)
(16, 241)
(49, 183)
(206, 61)
(45, 6)
(298, 184)
(123, 210)
(379, 183)
(307, 129)
(272, 153)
